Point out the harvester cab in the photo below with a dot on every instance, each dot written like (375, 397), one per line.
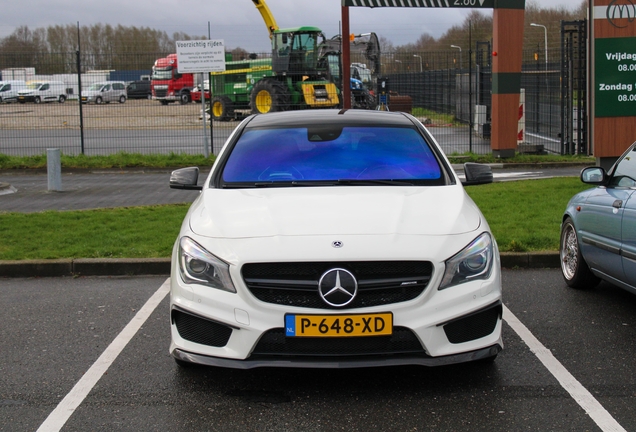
(295, 51)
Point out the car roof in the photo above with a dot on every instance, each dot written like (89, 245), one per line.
(334, 117)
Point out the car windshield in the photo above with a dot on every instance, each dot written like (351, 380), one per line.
(351, 155)
(34, 86)
(96, 87)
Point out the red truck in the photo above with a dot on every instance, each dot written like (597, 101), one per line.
(168, 85)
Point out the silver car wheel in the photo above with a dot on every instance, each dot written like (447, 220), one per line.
(569, 252)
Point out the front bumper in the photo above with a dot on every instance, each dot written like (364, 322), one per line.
(431, 330)
(341, 363)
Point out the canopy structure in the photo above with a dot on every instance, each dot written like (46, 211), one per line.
(508, 18)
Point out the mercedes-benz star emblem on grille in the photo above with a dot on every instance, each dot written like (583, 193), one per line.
(337, 244)
(338, 287)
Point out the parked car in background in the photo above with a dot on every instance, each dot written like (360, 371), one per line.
(139, 90)
(105, 92)
(9, 90)
(598, 232)
(334, 239)
(43, 91)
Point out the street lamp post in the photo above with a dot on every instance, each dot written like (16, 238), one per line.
(460, 54)
(461, 105)
(420, 57)
(545, 44)
(545, 47)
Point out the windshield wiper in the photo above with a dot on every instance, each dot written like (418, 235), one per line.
(310, 183)
(361, 182)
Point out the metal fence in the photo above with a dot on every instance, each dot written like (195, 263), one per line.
(450, 95)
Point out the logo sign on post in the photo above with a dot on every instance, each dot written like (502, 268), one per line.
(202, 56)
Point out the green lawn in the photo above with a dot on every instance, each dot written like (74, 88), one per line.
(523, 215)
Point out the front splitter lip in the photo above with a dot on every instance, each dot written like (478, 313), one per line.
(479, 354)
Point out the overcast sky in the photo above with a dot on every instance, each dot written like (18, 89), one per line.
(238, 22)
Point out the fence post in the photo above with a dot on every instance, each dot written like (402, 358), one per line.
(54, 169)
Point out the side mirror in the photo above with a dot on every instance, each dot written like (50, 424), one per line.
(594, 175)
(185, 178)
(477, 174)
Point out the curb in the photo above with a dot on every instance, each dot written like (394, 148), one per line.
(85, 267)
(161, 266)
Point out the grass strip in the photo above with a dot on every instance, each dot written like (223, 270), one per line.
(523, 215)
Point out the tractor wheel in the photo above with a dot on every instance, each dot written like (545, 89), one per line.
(269, 96)
(221, 108)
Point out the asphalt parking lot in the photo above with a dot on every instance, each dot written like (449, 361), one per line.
(92, 354)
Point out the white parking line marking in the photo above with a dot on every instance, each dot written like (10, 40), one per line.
(59, 416)
(579, 393)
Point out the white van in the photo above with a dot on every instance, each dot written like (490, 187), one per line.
(105, 92)
(43, 91)
(9, 90)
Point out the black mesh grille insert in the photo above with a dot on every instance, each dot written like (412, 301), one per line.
(473, 326)
(274, 342)
(200, 330)
(296, 284)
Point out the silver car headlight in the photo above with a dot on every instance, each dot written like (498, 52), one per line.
(198, 266)
(475, 261)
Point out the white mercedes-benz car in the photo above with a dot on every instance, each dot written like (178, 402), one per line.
(334, 239)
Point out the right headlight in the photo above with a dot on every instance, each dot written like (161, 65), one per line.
(198, 266)
(473, 262)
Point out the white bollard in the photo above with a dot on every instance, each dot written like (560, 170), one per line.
(54, 169)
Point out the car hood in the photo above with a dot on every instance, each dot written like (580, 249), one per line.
(311, 211)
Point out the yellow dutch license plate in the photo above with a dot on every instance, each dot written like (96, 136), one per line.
(380, 324)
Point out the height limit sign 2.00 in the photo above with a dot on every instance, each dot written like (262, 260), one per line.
(202, 56)
(421, 3)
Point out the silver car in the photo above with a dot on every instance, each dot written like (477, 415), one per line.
(598, 232)
(105, 92)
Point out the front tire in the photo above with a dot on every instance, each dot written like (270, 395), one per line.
(221, 108)
(122, 99)
(37, 100)
(184, 98)
(268, 96)
(61, 99)
(99, 100)
(575, 270)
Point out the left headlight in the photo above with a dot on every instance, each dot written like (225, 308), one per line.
(473, 262)
(198, 266)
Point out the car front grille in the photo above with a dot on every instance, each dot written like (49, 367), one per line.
(160, 93)
(474, 326)
(296, 284)
(200, 330)
(275, 343)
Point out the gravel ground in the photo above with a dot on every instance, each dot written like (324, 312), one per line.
(134, 114)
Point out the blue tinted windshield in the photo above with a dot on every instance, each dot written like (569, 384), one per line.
(360, 153)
